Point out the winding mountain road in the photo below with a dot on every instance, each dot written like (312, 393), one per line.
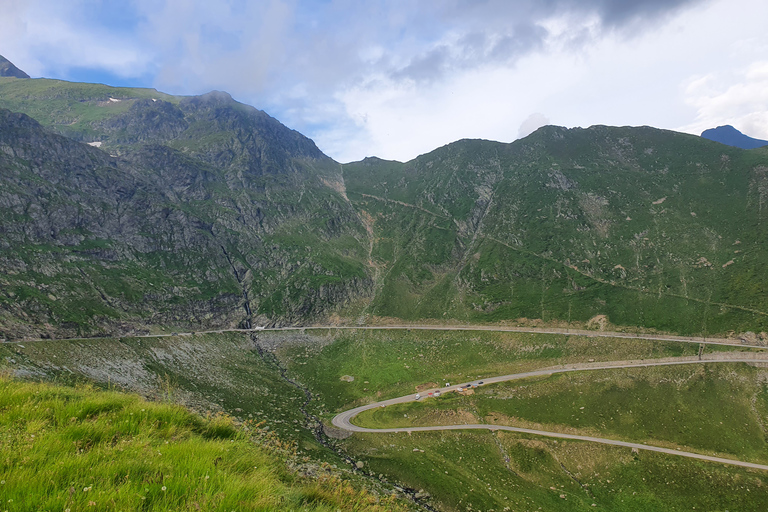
(492, 328)
(344, 419)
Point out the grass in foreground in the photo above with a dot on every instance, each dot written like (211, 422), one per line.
(78, 449)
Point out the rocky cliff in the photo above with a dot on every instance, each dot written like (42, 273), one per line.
(201, 214)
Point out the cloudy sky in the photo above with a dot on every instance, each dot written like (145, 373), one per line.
(397, 78)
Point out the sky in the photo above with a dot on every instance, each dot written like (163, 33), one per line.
(398, 78)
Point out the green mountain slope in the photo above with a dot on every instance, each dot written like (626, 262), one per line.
(128, 208)
(649, 227)
(197, 212)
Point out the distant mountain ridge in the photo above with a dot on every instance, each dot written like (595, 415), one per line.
(8, 69)
(730, 136)
(122, 209)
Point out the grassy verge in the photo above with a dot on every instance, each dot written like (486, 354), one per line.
(75, 448)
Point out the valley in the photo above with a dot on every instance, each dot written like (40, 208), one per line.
(240, 373)
(606, 285)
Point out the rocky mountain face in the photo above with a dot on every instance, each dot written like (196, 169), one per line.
(122, 209)
(732, 137)
(8, 69)
(200, 213)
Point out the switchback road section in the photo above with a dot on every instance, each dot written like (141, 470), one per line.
(344, 419)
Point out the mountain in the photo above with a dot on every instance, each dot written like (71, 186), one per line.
(128, 209)
(8, 69)
(196, 212)
(643, 226)
(730, 136)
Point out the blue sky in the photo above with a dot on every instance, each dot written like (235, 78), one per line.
(399, 78)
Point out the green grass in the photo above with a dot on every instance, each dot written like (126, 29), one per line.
(672, 406)
(216, 372)
(389, 363)
(484, 471)
(681, 406)
(72, 449)
(211, 372)
(714, 409)
(70, 107)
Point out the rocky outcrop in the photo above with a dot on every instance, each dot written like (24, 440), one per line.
(162, 235)
(8, 69)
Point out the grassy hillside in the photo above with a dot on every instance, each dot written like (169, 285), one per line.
(673, 406)
(390, 363)
(72, 108)
(481, 470)
(681, 407)
(490, 471)
(646, 227)
(72, 449)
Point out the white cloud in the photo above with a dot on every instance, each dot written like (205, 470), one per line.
(532, 123)
(48, 38)
(738, 99)
(395, 79)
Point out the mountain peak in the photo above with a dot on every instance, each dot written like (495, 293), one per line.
(8, 69)
(730, 136)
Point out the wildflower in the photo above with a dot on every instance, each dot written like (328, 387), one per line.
(162, 488)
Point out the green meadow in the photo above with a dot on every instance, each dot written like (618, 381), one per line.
(67, 448)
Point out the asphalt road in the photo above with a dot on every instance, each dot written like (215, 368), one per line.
(343, 420)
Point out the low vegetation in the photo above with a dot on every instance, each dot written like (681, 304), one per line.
(669, 406)
(237, 373)
(665, 406)
(79, 448)
(473, 471)
(389, 363)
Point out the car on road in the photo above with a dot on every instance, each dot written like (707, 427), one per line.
(418, 396)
